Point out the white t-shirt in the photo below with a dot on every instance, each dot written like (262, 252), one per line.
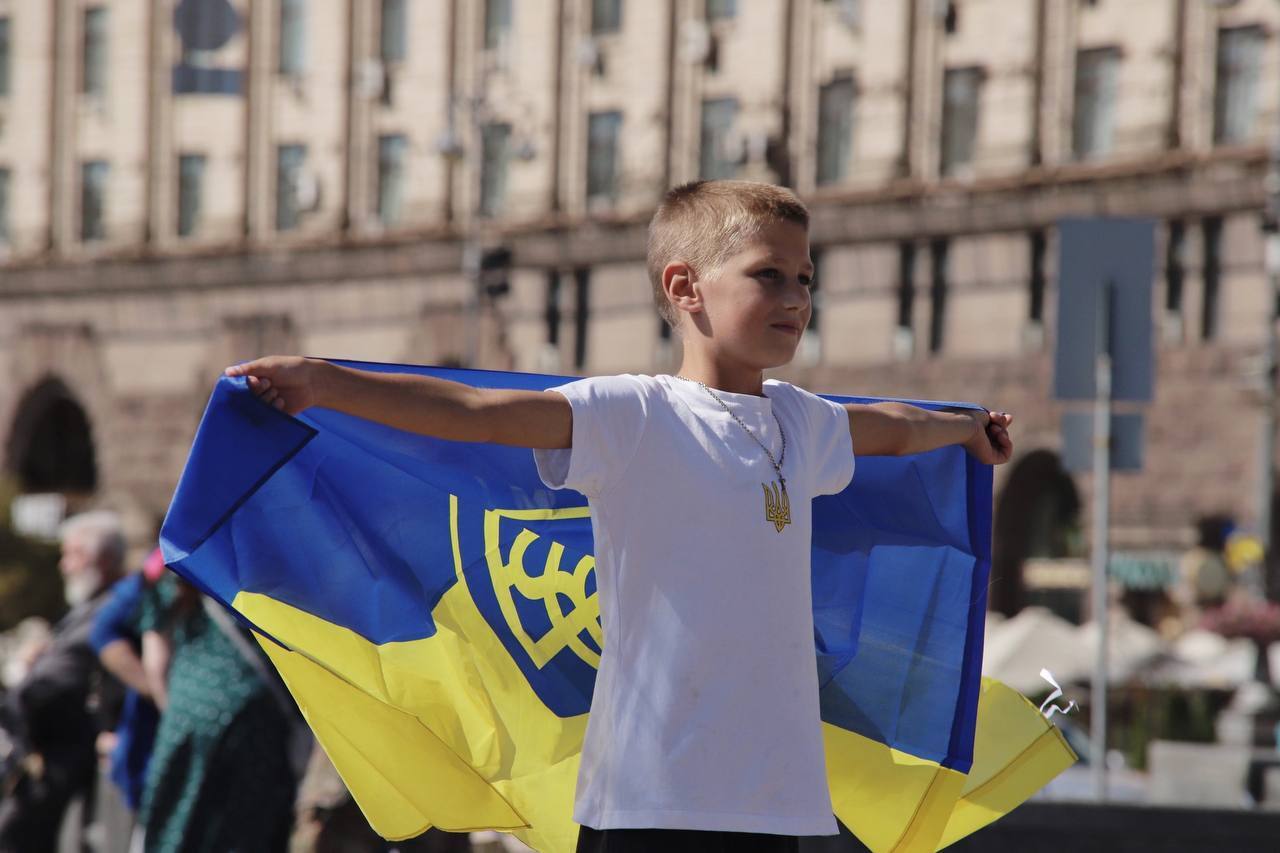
(705, 711)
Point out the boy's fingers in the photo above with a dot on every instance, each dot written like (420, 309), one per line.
(250, 368)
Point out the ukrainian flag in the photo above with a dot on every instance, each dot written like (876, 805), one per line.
(432, 607)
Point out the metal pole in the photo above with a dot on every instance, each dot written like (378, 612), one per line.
(1267, 438)
(1101, 513)
(471, 247)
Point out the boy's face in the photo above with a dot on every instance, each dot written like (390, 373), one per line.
(757, 305)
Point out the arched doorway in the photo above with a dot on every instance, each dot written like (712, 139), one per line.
(51, 444)
(1037, 515)
(50, 460)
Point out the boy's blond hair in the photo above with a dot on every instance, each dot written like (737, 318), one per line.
(703, 223)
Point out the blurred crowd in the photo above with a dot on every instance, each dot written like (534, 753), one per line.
(148, 719)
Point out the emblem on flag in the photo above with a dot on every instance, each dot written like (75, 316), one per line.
(575, 627)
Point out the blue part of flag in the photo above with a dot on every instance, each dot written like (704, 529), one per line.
(900, 566)
(900, 558)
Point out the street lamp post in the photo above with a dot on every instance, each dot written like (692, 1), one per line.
(1267, 439)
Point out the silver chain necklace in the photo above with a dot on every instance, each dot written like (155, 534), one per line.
(775, 463)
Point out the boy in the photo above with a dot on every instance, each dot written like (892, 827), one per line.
(704, 731)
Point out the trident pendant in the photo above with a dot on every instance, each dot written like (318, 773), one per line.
(777, 506)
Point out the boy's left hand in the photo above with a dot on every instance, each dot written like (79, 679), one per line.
(991, 443)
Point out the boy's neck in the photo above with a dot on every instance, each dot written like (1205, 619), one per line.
(734, 380)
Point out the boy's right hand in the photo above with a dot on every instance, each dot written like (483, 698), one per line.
(288, 382)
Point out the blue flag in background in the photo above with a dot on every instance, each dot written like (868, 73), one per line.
(432, 607)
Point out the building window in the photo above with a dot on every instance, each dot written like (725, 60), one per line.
(949, 11)
(1175, 268)
(904, 337)
(293, 36)
(551, 313)
(939, 251)
(4, 57)
(1038, 279)
(391, 178)
(606, 16)
(93, 196)
(602, 158)
(495, 143)
(849, 12)
(1212, 275)
(4, 207)
(289, 162)
(190, 193)
(835, 129)
(719, 9)
(393, 29)
(1235, 93)
(93, 69)
(497, 23)
(960, 95)
(715, 162)
(582, 312)
(1097, 82)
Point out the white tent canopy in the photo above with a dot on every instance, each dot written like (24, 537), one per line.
(1017, 648)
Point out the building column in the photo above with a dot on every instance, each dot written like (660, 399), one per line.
(63, 63)
(259, 192)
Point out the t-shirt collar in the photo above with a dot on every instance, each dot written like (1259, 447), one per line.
(750, 402)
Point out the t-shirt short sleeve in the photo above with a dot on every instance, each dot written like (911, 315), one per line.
(609, 415)
(117, 616)
(831, 458)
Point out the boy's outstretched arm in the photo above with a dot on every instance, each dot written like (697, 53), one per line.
(896, 429)
(421, 404)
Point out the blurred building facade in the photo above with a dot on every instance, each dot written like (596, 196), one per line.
(185, 184)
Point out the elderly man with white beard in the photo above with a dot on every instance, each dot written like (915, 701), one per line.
(58, 702)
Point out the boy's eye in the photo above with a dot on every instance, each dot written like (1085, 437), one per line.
(775, 274)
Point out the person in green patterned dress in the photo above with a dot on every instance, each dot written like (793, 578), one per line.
(220, 778)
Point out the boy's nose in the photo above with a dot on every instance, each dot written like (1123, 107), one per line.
(796, 295)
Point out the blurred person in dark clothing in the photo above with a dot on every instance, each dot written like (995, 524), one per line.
(118, 644)
(222, 775)
(58, 707)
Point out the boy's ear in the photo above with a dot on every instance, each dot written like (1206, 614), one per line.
(678, 281)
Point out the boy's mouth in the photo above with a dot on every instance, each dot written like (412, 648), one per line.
(791, 328)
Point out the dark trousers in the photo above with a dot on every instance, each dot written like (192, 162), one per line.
(681, 841)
